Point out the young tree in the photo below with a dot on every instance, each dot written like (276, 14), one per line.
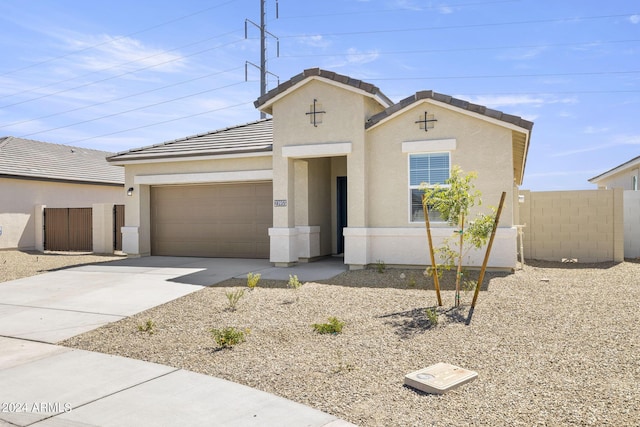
(453, 201)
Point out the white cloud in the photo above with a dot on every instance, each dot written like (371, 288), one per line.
(315, 41)
(616, 141)
(121, 54)
(634, 19)
(590, 130)
(353, 57)
(504, 100)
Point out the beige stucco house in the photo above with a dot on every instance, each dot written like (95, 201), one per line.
(35, 174)
(625, 176)
(335, 170)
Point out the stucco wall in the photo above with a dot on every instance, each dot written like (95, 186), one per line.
(584, 225)
(480, 146)
(19, 198)
(631, 224)
(622, 180)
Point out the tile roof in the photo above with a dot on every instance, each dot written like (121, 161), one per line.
(429, 94)
(251, 137)
(330, 75)
(30, 159)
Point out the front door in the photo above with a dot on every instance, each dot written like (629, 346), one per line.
(341, 191)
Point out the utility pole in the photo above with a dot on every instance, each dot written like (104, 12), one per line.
(263, 50)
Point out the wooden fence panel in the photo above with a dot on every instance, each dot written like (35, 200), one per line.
(68, 229)
(118, 223)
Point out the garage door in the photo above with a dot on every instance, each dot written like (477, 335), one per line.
(222, 220)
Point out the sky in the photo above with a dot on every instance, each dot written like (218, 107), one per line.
(115, 75)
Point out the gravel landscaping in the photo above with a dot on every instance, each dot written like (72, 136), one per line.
(553, 344)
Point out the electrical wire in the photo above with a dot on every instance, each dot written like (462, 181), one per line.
(153, 27)
(122, 97)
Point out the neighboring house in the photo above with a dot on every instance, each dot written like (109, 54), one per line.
(34, 173)
(336, 170)
(625, 176)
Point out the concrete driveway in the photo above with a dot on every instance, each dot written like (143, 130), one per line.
(50, 385)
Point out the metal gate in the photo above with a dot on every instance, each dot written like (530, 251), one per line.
(68, 229)
(118, 223)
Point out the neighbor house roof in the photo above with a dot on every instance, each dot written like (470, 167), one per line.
(265, 100)
(28, 159)
(635, 162)
(248, 138)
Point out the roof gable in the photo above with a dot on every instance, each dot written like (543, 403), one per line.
(265, 102)
(29, 159)
(450, 101)
(249, 138)
(633, 163)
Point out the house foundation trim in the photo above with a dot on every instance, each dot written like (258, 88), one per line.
(408, 246)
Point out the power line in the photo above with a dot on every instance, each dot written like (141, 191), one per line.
(492, 76)
(455, 27)
(466, 49)
(120, 75)
(153, 27)
(403, 9)
(162, 122)
(131, 110)
(164, 52)
(121, 98)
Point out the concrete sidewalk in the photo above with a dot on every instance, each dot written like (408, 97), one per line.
(45, 384)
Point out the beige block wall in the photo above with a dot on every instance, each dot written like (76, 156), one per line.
(19, 198)
(586, 225)
(480, 146)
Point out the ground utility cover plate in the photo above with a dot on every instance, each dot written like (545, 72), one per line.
(439, 378)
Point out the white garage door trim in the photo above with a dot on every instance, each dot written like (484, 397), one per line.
(204, 178)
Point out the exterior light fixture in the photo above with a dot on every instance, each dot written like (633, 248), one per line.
(130, 191)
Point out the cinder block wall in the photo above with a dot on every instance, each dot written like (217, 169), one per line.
(632, 224)
(586, 225)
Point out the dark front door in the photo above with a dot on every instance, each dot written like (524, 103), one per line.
(342, 210)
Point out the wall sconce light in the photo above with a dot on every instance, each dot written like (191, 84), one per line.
(130, 191)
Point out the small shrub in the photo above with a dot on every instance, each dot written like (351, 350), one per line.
(233, 298)
(432, 315)
(341, 365)
(333, 327)
(229, 336)
(294, 283)
(149, 327)
(380, 266)
(252, 280)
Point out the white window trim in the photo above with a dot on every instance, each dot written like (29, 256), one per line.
(416, 187)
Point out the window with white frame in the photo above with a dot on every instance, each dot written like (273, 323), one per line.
(634, 183)
(429, 169)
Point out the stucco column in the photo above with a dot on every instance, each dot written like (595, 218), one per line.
(38, 220)
(356, 252)
(102, 217)
(283, 234)
(136, 234)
